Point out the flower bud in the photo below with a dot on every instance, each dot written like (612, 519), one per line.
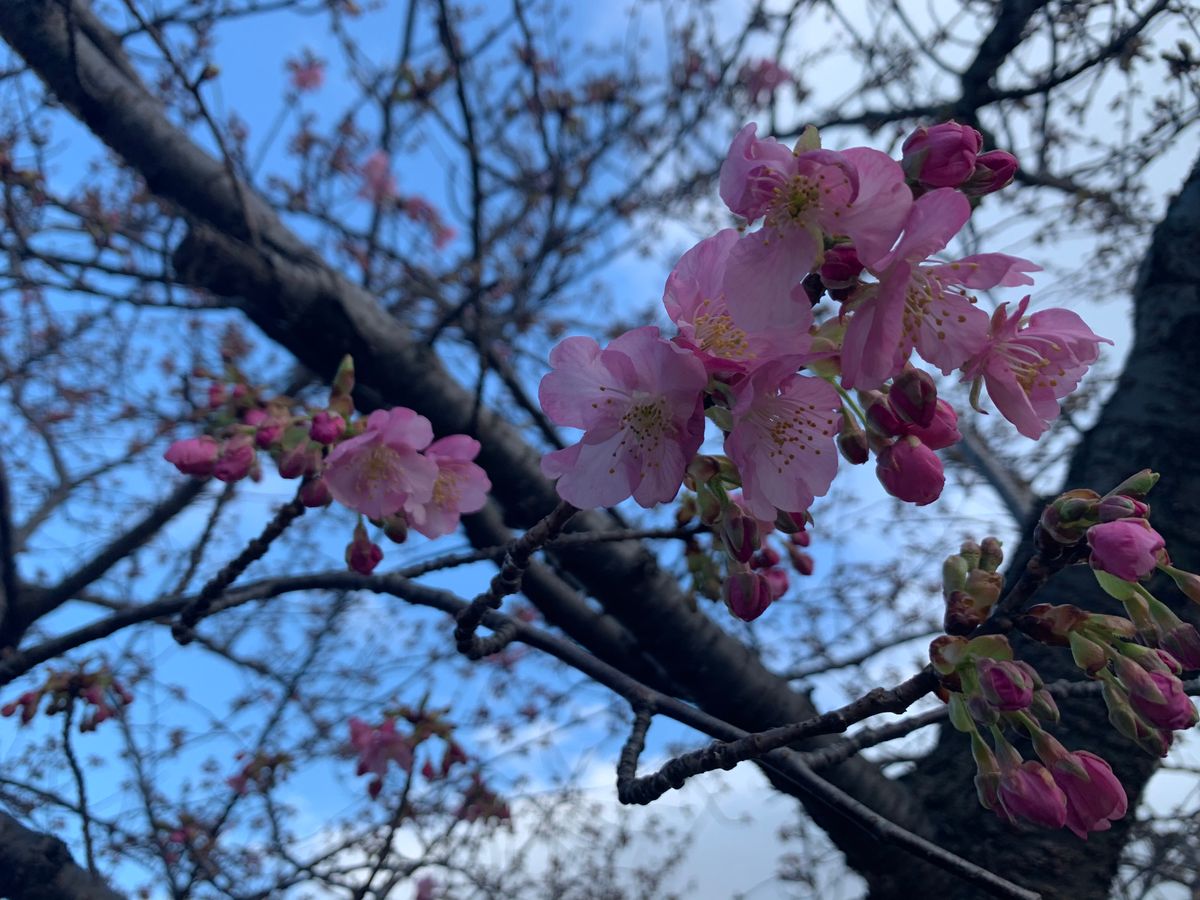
(703, 469)
(913, 397)
(1044, 707)
(194, 456)
(991, 554)
(993, 170)
(802, 562)
(852, 441)
(1005, 686)
(395, 528)
(942, 430)
(747, 595)
(302, 459)
(881, 418)
(739, 533)
(1069, 515)
(343, 385)
(777, 583)
(710, 507)
(946, 653)
(954, 575)
(236, 460)
(1088, 655)
(362, 555)
(1126, 548)
(1136, 486)
(326, 427)
(941, 156)
(1117, 506)
(910, 471)
(1174, 712)
(1187, 582)
(841, 267)
(1052, 625)
(315, 493)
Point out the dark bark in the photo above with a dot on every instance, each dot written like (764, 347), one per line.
(35, 866)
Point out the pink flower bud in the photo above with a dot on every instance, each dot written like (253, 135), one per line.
(910, 471)
(802, 562)
(1116, 506)
(913, 397)
(1175, 712)
(303, 459)
(194, 456)
(1126, 548)
(740, 535)
(852, 442)
(942, 156)
(326, 427)
(1027, 795)
(237, 459)
(777, 583)
(315, 493)
(993, 170)
(216, 395)
(1005, 685)
(1095, 798)
(747, 595)
(942, 430)
(362, 555)
(881, 418)
(841, 267)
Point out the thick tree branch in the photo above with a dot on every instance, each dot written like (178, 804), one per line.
(36, 866)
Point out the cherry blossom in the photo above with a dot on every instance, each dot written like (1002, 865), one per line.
(639, 404)
(381, 471)
(916, 305)
(695, 300)
(461, 486)
(1029, 365)
(782, 440)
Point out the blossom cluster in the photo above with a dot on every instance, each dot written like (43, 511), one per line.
(376, 746)
(760, 352)
(101, 693)
(385, 466)
(1137, 660)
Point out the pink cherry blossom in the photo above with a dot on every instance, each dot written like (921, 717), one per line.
(376, 745)
(782, 441)
(461, 486)
(639, 402)
(1095, 799)
(695, 300)
(308, 73)
(378, 182)
(923, 305)
(801, 197)
(1126, 548)
(381, 471)
(762, 78)
(194, 456)
(1028, 367)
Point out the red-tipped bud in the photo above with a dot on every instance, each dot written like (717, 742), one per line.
(739, 534)
(362, 555)
(993, 170)
(910, 471)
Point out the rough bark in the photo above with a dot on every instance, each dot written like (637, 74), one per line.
(35, 866)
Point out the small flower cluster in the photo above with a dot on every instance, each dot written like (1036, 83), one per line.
(378, 745)
(101, 693)
(261, 770)
(752, 576)
(991, 691)
(386, 467)
(1137, 658)
(750, 355)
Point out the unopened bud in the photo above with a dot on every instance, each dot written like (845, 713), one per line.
(946, 653)
(740, 535)
(1088, 655)
(747, 595)
(913, 397)
(315, 493)
(395, 527)
(881, 418)
(971, 553)
(1136, 486)
(710, 507)
(1187, 582)
(1118, 506)
(1052, 625)
(703, 469)
(991, 554)
(954, 575)
(343, 385)
(852, 441)
(1044, 707)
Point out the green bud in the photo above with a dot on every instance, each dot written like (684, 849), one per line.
(954, 575)
(991, 554)
(1088, 655)
(960, 718)
(1136, 486)
(971, 553)
(1185, 581)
